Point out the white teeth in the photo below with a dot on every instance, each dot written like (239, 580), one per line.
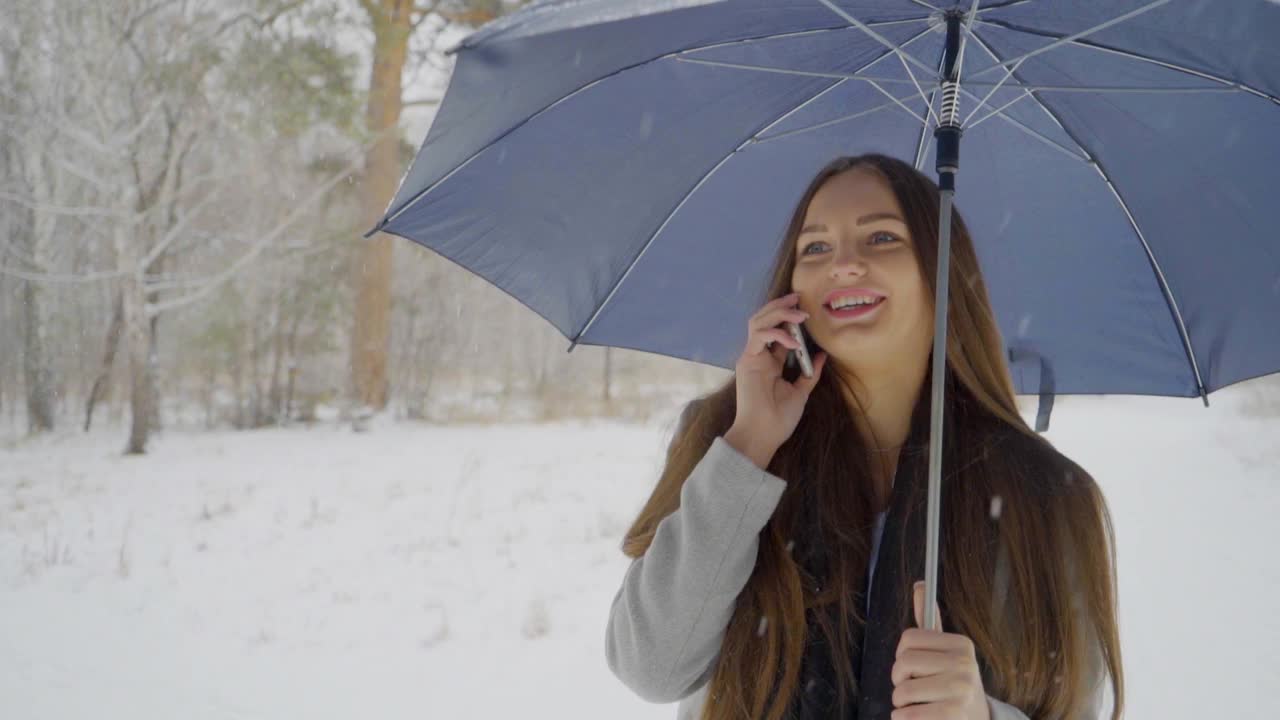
(843, 303)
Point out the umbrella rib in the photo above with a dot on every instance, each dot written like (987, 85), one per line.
(866, 28)
(1068, 38)
(789, 71)
(706, 176)
(635, 260)
(993, 113)
(1170, 300)
(1033, 133)
(790, 34)
(924, 131)
(1028, 90)
(928, 104)
(1134, 56)
(999, 6)
(1116, 88)
(922, 3)
(1013, 86)
(1008, 73)
(901, 55)
(390, 215)
(855, 76)
(828, 123)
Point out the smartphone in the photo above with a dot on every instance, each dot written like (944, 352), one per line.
(802, 354)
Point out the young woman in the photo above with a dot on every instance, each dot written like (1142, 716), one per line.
(775, 566)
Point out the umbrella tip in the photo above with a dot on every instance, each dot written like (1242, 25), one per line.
(375, 229)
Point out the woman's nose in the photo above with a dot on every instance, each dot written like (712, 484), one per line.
(848, 264)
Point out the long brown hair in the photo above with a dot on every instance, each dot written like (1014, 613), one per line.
(1014, 508)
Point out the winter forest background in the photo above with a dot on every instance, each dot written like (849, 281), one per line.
(253, 465)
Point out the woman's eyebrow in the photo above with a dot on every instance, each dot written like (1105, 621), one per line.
(861, 221)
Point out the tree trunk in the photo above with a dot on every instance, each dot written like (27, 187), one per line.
(35, 364)
(158, 267)
(373, 265)
(136, 332)
(608, 372)
(108, 358)
(37, 373)
(237, 378)
(256, 391)
(275, 391)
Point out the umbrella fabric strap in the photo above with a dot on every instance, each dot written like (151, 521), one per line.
(1030, 368)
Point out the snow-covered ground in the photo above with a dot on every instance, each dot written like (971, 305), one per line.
(422, 571)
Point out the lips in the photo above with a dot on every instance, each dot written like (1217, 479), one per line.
(854, 311)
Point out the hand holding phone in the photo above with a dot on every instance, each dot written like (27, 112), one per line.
(768, 405)
(800, 353)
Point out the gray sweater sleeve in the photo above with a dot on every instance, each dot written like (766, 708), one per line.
(676, 600)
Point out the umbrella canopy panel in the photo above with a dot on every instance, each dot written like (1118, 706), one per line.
(630, 181)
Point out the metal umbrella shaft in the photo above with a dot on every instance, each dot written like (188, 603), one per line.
(947, 136)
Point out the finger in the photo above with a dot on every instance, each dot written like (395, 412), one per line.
(762, 339)
(931, 711)
(944, 687)
(920, 663)
(779, 352)
(918, 603)
(776, 317)
(955, 644)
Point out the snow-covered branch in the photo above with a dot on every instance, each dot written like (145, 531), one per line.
(208, 286)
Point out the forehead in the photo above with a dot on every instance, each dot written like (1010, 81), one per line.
(851, 194)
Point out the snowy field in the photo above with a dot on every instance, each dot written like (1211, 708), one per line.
(433, 572)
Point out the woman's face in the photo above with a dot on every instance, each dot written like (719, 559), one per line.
(854, 238)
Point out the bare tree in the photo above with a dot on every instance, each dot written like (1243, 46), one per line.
(116, 120)
(392, 23)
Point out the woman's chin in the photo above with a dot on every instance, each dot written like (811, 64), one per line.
(854, 352)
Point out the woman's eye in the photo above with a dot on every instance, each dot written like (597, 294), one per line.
(874, 241)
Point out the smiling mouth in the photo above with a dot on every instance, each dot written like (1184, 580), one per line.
(853, 310)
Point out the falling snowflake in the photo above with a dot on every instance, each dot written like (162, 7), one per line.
(646, 124)
(1004, 222)
(996, 503)
(764, 622)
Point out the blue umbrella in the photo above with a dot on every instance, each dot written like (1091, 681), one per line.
(1122, 158)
